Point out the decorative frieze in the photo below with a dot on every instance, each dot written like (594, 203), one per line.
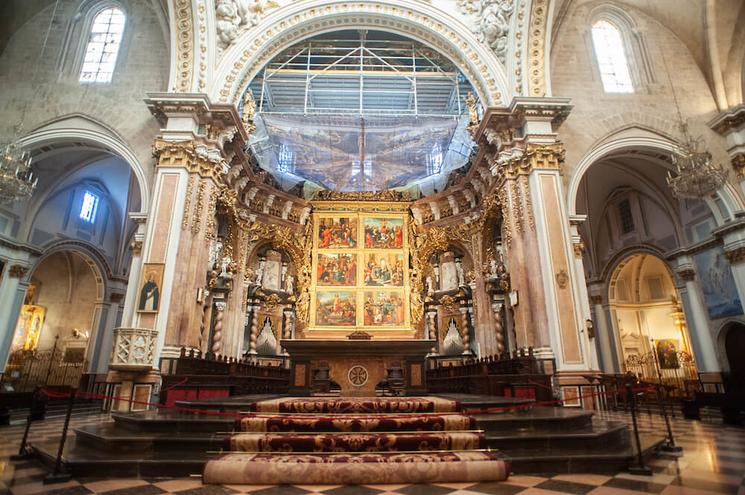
(17, 271)
(735, 255)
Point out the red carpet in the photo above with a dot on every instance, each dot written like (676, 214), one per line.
(355, 441)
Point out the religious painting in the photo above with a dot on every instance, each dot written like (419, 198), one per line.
(337, 232)
(28, 328)
(384, 270)
(152, 280)
(337, 269)
(384, 308)
(667, 354)
(384, 233)
(337, 308)
(717, 284)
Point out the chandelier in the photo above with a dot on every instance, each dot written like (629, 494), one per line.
(17, 180)
(696, 175)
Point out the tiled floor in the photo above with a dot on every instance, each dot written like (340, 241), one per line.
(713, 463)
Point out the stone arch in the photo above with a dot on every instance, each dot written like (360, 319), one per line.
(89, 253)
(288, 25)
(96, 135)
(722, 332)
(653, 142)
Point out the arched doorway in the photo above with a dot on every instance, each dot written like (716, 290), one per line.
(734, 347)
(648, 321)
(56, 324)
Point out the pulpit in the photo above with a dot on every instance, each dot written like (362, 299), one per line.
(357, 366)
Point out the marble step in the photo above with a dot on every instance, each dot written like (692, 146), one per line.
(599, 437)
(173, 422)
(536, 418)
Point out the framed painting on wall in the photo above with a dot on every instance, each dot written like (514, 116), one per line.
(149, 295)
(336, 269)
(337, 232)
(384, 233)
(384, 308)
(667, 354)
(336, 308)
(383, 270)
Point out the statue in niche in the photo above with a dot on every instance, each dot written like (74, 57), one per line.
(260, 272)
(430, 287)
(266, 342)
(448, 272)
(452, 343)
(289, 284)
(272, 271)
(215, 252)
(459, 272)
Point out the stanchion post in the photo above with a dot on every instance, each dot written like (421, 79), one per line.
(23, 453)
(57, 476)
(641, 467)
(669, 445)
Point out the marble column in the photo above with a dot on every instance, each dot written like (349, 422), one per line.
(135, 266)
(605, 337)
(12, 294)
(696, 317)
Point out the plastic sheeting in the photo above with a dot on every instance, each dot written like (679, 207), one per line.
(354, 153)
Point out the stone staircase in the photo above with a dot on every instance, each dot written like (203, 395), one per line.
(166, 443)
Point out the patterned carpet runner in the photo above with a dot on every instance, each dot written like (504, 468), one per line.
(355, 441)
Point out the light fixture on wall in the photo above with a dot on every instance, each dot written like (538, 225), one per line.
(696, 176)
(17, 180)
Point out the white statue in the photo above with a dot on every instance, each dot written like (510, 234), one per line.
(459, 272)
(493, 273)
(430, 287)
(289, 284)
(260, 273)
(452, 343)
(215, 251)
(224, 265)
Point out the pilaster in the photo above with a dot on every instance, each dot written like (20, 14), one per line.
(526, 157)
(730, 124)
(696, 317)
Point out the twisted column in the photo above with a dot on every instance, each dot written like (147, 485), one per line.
(217, 335)
(254, 329)
(464, 335)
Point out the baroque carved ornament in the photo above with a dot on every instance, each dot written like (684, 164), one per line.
(490, 20)
(235, 16)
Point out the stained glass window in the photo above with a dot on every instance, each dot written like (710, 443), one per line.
(103, 46)
(611, 58)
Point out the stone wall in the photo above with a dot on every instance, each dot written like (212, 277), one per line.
(52, 90)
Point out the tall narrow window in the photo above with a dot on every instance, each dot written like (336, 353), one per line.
(89, 208)
(103, 46)
(611, 57)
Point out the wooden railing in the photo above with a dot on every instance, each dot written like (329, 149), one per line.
(519, 374)
(193, 376)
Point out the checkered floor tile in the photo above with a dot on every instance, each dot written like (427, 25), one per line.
(713, 463)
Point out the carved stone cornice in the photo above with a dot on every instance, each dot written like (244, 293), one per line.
(387, 196)
(729, 120)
